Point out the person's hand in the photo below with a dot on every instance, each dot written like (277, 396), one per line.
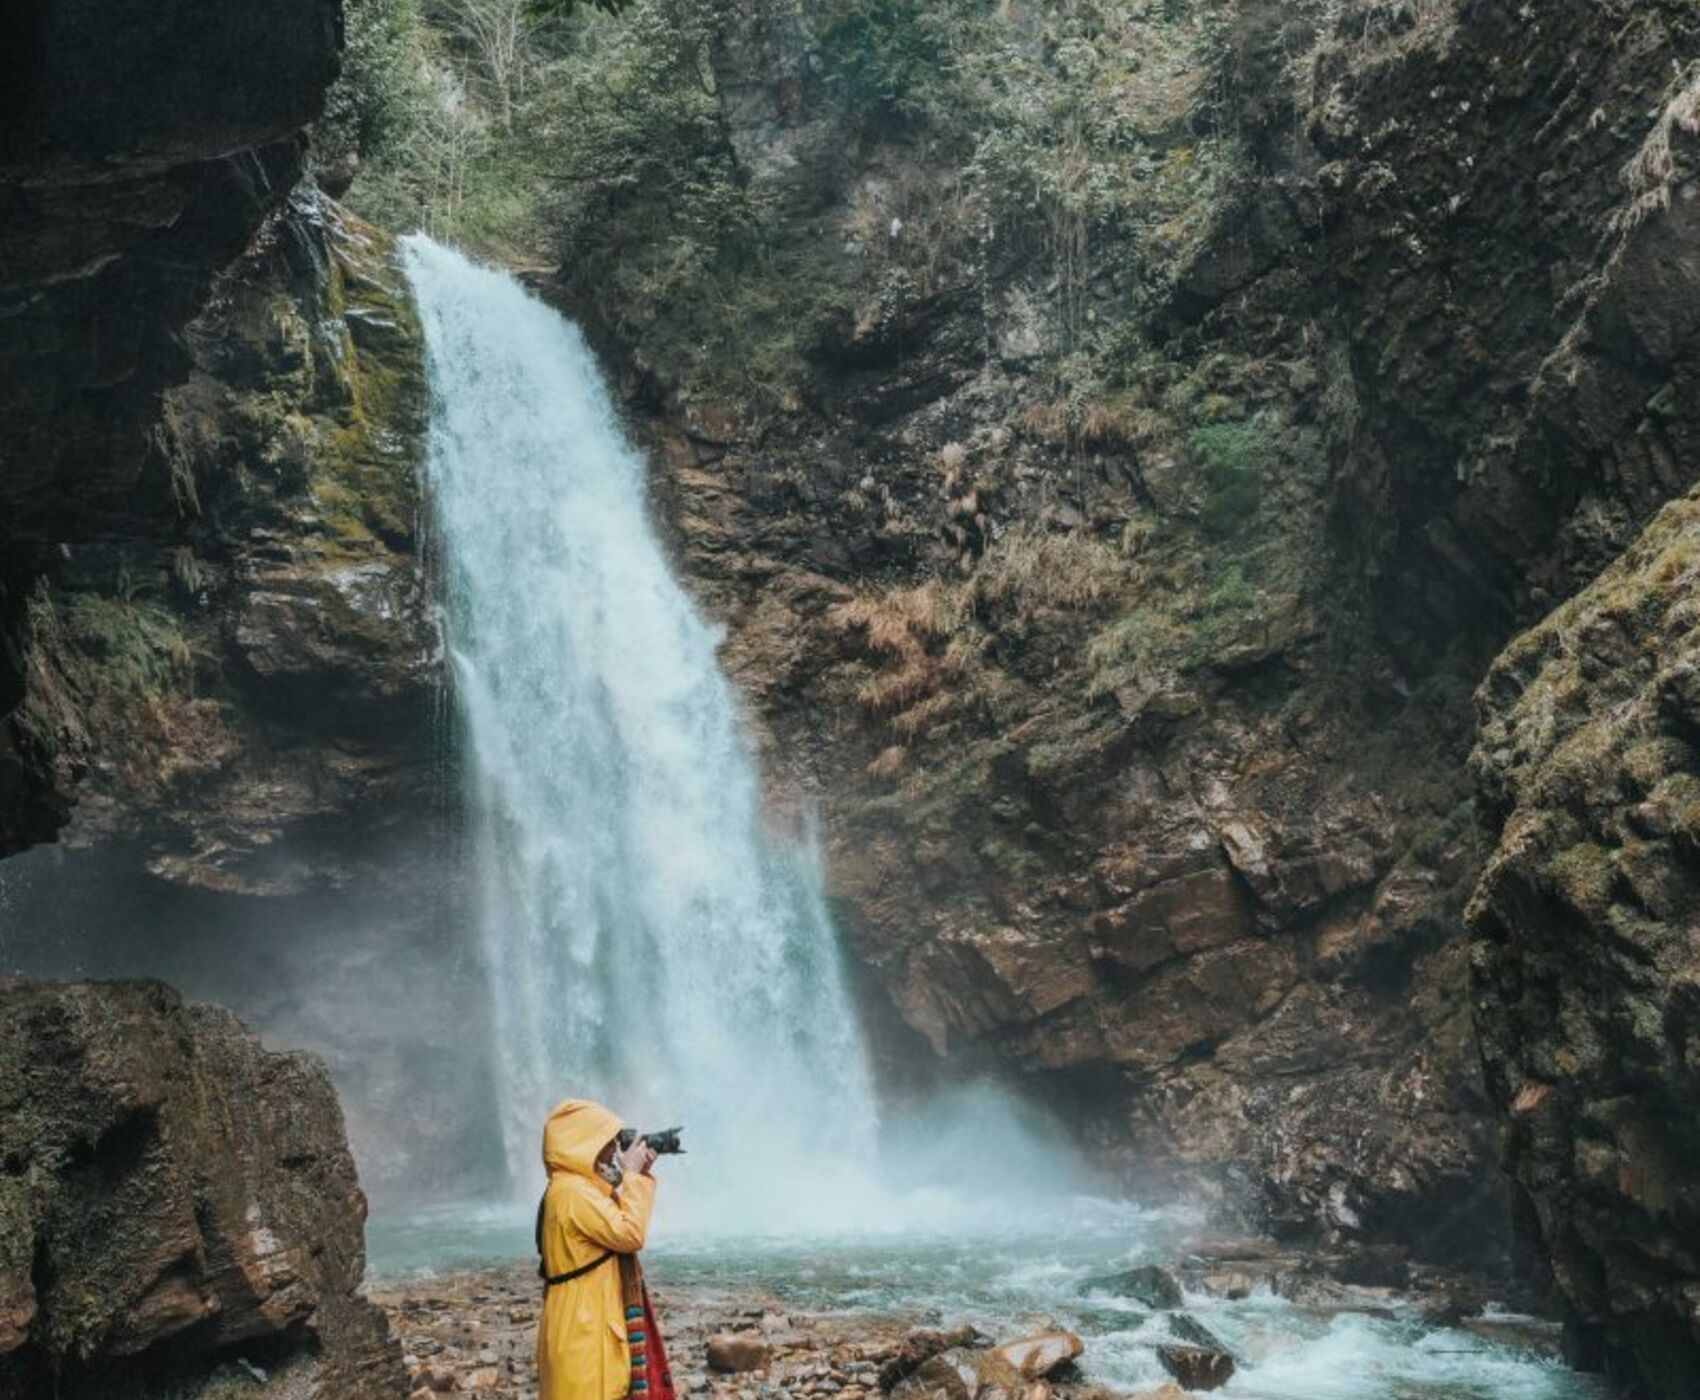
(637, 1159)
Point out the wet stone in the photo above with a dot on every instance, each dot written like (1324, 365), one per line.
(1196, 1368)
(1150, 1285)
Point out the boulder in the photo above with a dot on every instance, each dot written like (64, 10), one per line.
(1196, 1357)
(732, 1353)
(1040, 1356)
(1197, 1368)
(939, 1378)
(1148, 1284)
(174, 1194)
(922, 1345)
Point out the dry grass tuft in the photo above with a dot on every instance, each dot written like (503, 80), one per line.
(1029, 568)
(913, 634)
(1099, 424)
(890, 762)
(1651, 174)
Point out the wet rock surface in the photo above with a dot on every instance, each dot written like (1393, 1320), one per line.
(179, 1205)
(456, 1328)
(1197, 1360)
(462, 1325)
(141, 146)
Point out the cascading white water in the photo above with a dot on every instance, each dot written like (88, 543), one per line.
(649, 943)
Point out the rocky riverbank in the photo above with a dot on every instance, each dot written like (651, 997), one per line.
(474, 1332)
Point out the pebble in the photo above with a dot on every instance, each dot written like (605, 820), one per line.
(431, 1378)
(476, 1334)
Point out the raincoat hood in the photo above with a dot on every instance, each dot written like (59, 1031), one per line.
(575, 1132)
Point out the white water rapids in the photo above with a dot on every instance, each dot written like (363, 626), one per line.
(649, 942)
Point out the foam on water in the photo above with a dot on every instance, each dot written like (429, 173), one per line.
(1014, 1264)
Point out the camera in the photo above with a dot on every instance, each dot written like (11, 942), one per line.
(664, 1143)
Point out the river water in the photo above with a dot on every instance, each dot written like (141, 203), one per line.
(1011, 1267)
(649, 942)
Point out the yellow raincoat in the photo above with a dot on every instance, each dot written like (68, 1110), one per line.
(581, 1342)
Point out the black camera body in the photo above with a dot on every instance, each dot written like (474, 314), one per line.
(664, 1143)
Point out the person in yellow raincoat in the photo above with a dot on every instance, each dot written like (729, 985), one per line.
(587, 1224)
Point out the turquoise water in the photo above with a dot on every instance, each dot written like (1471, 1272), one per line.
(1011, 1268)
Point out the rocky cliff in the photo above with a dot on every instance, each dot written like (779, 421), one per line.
(177, 1203)
(242, 697)
(140, 147)
(1136, 698)
(218, 673)
(231, 681)
(1586, 961)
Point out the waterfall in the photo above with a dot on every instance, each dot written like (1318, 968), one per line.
(648, 942)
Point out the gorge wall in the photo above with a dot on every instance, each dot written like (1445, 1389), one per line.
(128, 179)
(1108, 552)
(222, 678)
(179, 1206)
(249, 684)
(1138, 712)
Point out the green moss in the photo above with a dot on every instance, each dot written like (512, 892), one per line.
(1582, 874)
(125, 647)
(360, 460)
(1231, 458)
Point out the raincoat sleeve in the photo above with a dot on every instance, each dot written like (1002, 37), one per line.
(616, 1224)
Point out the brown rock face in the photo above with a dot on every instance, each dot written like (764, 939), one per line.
(1586, 953)
(175, 1197)
(1182, 851)
(241, 694)
(1149, 790)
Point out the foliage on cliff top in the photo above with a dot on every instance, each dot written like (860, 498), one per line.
(621, 147)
